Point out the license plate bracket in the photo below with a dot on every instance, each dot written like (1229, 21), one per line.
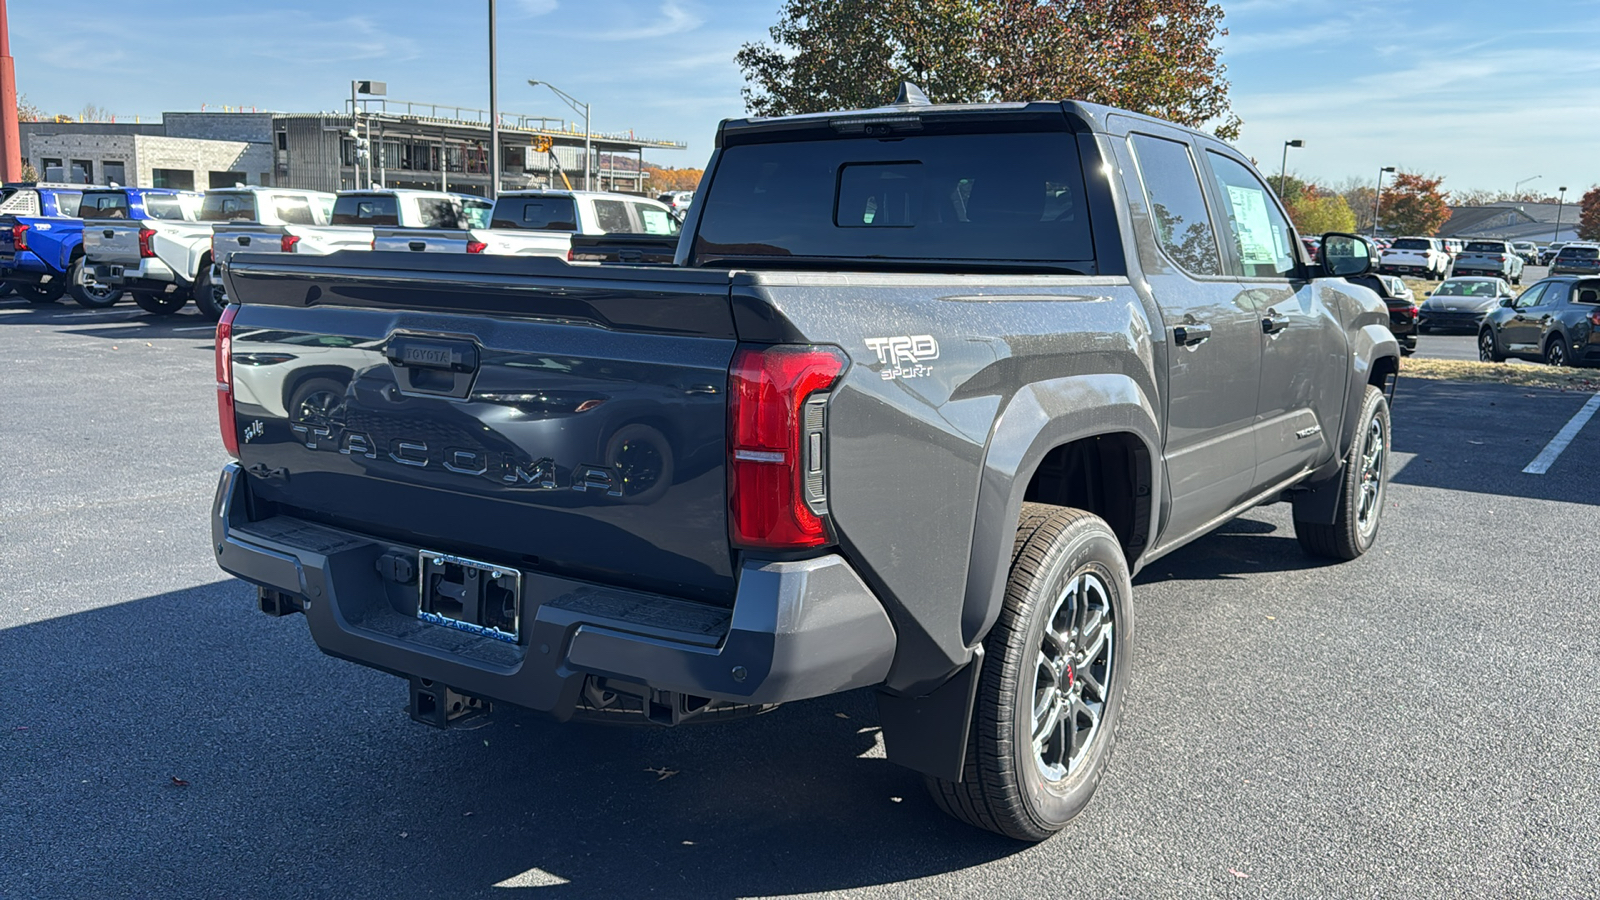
(468, 595)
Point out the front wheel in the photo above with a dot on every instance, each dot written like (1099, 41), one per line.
(1555, 352)
(209, 297)
(1361, 497)
(1051, 688)
(89, 293)
(40, 293)
(1488, 350)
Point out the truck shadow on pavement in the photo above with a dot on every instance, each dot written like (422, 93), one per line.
(301, 776)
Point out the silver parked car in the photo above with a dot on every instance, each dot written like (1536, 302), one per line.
(1460, 304)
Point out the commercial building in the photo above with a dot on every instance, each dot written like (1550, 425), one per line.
(1514, 221)
(407, 144)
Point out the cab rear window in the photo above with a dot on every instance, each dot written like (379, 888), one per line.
(228, 208)
(1580, 253)
(930, 198)
(367, 209)
(103, 205)
(1411, 244)
(1486, 247)
(536, 213)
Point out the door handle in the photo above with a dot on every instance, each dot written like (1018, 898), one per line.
(1190, 335)
(1274, 323)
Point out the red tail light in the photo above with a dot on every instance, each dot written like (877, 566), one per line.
(147, 248)
(287, 242)
(19, 237)
(1594, 318)
(775, 445)
(480, 246)
(569, 251)
(224, 354)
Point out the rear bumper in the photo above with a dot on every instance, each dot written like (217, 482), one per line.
(146, 273)
(797, 629)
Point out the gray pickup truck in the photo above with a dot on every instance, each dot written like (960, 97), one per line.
(924, 388)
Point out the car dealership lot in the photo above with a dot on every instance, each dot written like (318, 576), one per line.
(1419, 722)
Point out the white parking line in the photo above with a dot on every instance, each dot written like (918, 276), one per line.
(1547, 457)
(197, 328)
(96, 312)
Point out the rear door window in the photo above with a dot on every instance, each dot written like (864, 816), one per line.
(612, 217)
(1586, 293)
(1177, 204)
(1261, 235)
(437, 212)
(476, 213)
(655, 220)
(367, 209)
(67, 203)
(535, 213)
(228, 208)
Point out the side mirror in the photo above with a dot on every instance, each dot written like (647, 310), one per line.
(1507, 301)
(1428, 294)
(1346, 255)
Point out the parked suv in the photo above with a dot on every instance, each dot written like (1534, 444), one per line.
(1556, 321)
(1422, 257)
(1577, 259)
(925, 388)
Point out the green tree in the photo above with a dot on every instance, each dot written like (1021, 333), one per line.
(1317, 211)
(1154, 57)
(1589, 217)
(1413, 204)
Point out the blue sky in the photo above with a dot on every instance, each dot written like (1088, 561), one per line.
(1483, 93)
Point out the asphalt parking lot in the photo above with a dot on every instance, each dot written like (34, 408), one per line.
(1419, 723)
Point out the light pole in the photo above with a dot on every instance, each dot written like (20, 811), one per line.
(576, 107)
(1559, 205)
(371, 89)
(1377, 200)
(1515, 189)
(494, 116)
(1283, 170)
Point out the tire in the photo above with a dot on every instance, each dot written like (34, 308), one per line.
(159, 304)
(1362, 493)
(1067, 571)
(49, 292)
(1488, 348)
(1555, 352)
(87, 293)
(208, 295)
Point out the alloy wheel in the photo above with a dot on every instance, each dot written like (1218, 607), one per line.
(1486, 346)
(1072, 676)
(1372, 462)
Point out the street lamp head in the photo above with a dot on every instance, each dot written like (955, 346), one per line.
(1294, 143)
(534, 83)
(1387, 169)
(1563, 189)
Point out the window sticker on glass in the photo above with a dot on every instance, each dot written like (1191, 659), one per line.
(1257, 244)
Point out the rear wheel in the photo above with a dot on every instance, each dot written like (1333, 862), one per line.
(159, 304)
(1054, 673)
(86, 291)
(1488, 350)
(40, 292)
(1365, 485)
(208, 295)
(1555, 352)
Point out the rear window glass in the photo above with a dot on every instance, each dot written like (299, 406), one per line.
(294, 211)
(367, 209)
(1411, 244)
(437, 212)
(537, 213)
(1588, 292)
(228, 208)
(1487, 247)
(930, 197)
(163, 206)
(104, 205)
(1580, 252)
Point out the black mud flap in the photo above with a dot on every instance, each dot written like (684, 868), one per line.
(929, 733)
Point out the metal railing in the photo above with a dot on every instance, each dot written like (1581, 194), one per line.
(467, 115)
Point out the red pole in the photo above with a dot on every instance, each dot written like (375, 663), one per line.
(10, 140)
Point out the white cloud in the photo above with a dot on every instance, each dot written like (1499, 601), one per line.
(675, 19)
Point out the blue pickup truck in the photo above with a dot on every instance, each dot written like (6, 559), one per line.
(41, 236)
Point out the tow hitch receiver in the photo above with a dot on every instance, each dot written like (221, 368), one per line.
(436, 704)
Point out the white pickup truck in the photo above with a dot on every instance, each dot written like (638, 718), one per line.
(354, 220)
(542, 223)
(165, 261)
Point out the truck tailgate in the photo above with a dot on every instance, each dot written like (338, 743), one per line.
(112, 242)
(516, 411)
(420, 240)
(252, 237)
